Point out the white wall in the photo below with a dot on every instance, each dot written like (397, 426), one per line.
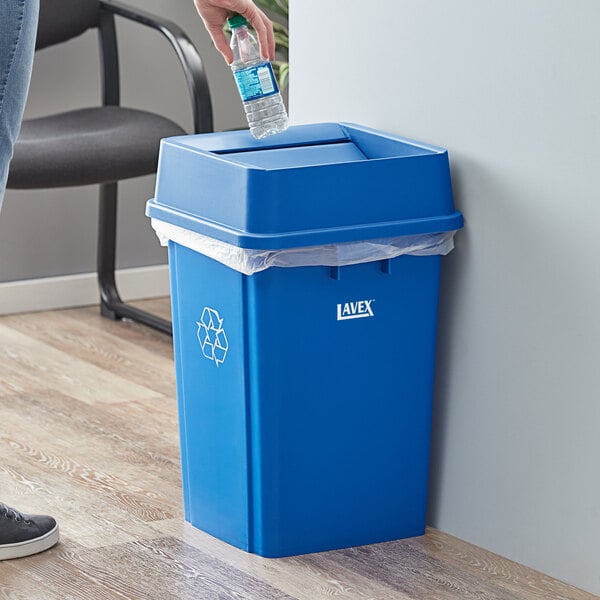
(512, 90)
(53, 232)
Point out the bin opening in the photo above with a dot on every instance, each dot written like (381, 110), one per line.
(280, 146)
(298, 156)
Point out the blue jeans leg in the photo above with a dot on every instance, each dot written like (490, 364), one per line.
(18, 27)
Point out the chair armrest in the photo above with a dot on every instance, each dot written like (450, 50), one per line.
(189, 58)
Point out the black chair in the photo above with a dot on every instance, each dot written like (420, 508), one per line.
(104, 144)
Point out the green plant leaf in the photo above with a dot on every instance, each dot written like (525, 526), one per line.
(280, 28)
(281, 41)
(275, 6)
(282, 72)
(284, 6)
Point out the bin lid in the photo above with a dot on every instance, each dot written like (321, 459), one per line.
(310, 185)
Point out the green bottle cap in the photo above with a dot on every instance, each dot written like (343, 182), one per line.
(236, 21)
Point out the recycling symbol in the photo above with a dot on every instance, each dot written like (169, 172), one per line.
(211, 336)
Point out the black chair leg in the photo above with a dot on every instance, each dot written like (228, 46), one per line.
(111, 305)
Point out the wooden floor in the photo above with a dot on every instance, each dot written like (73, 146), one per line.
(88, 433)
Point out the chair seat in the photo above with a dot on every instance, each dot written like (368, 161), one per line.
(87, 146)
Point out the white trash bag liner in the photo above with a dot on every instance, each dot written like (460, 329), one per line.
(249, 261)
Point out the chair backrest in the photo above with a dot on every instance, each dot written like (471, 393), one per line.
(61, 20)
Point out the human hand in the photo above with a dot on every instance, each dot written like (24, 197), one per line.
(214, 13)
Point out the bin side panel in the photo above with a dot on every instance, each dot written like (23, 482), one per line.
(209, 337)
(179, 374)
(341, 403)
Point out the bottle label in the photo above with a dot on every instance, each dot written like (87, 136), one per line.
(256, 82)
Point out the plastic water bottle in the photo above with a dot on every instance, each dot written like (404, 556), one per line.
(256, 83)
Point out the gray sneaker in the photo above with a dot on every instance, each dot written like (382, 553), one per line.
(22, 535)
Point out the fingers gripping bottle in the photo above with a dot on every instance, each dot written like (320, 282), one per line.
(256, 83)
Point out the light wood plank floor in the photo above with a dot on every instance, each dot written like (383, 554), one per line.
(88, 433)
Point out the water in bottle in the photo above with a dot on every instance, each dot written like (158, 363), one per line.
(256, 83)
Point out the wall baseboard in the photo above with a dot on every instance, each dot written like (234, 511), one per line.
(68, 291)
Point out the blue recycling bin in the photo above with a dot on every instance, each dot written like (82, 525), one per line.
(304, 392)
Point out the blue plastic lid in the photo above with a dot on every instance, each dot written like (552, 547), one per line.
(310, 185)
